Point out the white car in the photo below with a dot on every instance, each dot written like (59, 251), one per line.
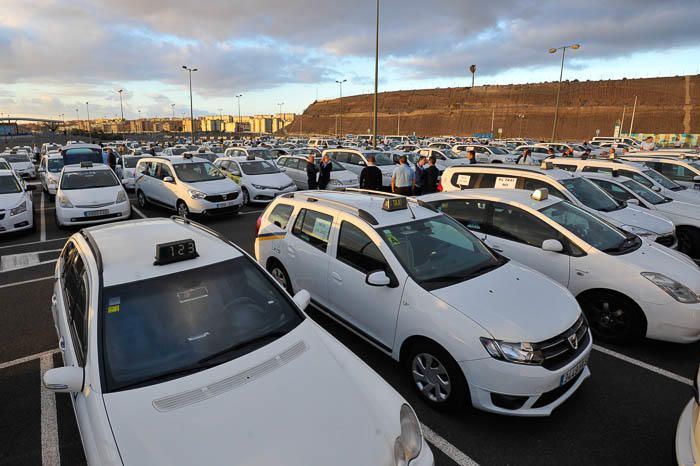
(202, 154)
(486, 154)
(565, 185)
(684, 215)
(245, 151)
(356, 159)
(628, 287)
(4, 165)
(683, 170)
(295, 168)
(16, 206)
(21, 163)
(199, 357)
(187, 185)
(50, 171)
(688, 429)
(260, 180)
(88, 194)
(127, 168)
(467, 324)
(444, 158)
(174, 151)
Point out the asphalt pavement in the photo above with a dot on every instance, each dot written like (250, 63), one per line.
(625, 413)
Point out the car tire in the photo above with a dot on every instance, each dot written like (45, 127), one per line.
(279, 273)
(613, 317)
(689, 241)
(182, 209)
(436, 377)
(141, 199)
(246, 196)
(58, 224)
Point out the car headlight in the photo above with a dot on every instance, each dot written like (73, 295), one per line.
(519, 353)
(677, 291)
(335, 182)
(408, 445)
(121, 197)
(64, 201)
(638, 231)
(19, 209)
(194, 194)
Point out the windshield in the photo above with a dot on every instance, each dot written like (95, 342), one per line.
(259, 167)
(88, 179)
(499, 151)
(130, 162)
(451, 155)
(55, 165)
(75, 156)
(439, 252)
(210, 156)
(645, 193)
(4, 165)
(8, 185)
(590, 195)
(593, 230)
(178, 150)
(177, 324)
(380, 158)
(662, 180)
(193, 172)
(16, 158)
(261, 153)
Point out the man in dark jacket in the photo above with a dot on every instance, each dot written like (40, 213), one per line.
(324, 174)
(420, 175)
(430, 177)
(311, 172)
(371, 176)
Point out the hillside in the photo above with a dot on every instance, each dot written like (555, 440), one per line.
(665, 105)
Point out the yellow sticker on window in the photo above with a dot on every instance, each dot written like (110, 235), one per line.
(113, 308)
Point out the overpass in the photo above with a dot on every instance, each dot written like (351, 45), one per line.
(15, 119)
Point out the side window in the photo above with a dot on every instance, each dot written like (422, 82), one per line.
(654, 165)
(531, 185)
(76, 294)
(280, 215)
(143, 168)
(677, 172)
(153, 169)
(223, 164)
(487, 180)
(234, 169)
(636, 177)
(282, 162)
(314, 228)
(296, 164)
(356, 159)
(358, 251)
(164, 171)
(614, 190)
(590, 169)
(515, 224)
(473, 214)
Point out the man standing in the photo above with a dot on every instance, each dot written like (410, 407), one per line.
(371, 176)
(525, 158)
(648, 143)
(111, 159)
(311, 172)
(431, 176)
(586, 154)
(324, 174)
(471, 156)
(419, 175)
(403, 179)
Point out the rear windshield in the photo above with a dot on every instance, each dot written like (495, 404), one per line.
(75, 156)
(130, 162)
(88, 179)
(259, 167)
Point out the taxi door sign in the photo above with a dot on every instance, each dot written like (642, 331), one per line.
(505, 182)
(463, 180)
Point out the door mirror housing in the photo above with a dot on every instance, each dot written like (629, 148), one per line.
(377, 278)
(633, 202)
(696, 179)
(65, 379)
(552, 245)
(168, 179)
(302, 299)
(656, 188)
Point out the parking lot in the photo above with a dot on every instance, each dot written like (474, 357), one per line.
(626, 413)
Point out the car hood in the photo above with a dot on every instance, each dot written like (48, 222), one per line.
(686, 195)
(680, 208)
(274, 180)
(638, 218)
(312, 408)
(514, 303)
(344, 175)
(652, 257)
(11, 200)
(90, 197)
(225, 185)
(21, 165)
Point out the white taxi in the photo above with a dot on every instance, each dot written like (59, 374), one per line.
(90, 193)
(295, 167)
(21, 163)
(628, 287)
(688, 429)
(187, 185)
(50, 168)
(467, 324)
(260, 180)
(16, 207)
(181, 350)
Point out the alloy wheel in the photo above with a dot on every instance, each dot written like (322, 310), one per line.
(431, 377)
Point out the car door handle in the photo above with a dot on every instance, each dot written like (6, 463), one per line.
(336, 277)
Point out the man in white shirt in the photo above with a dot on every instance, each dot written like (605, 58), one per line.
(648, 144)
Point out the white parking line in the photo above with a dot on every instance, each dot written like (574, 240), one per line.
(251, 212)
(644, 365)
(138, 212)
(33, 242)
(25, 265)
(7, 285)
(454, 453)
(31, 357)
(42, 224)
(50, 455)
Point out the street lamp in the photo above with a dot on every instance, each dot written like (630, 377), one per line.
(472, 69)
(376, 81)
(172, 107)
(561, 74)
(190, 71)
(121, 104)
(238, 98)
(138, 126)
(87, 108)
(521, 117)
(280, 106)
(340, 83)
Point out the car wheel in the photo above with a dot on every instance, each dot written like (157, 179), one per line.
(688, 241)
(613, 317)
(182, 209)
(280, 274)
(436, 377)
(58, 224)
(246, 196)
(141, 199)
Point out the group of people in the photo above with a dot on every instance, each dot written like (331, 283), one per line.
(319, 176)
(407, 181)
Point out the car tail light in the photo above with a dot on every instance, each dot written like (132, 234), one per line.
(257, 225)
(439, 187)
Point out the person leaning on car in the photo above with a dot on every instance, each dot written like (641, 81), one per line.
(324, 174)
(371, 176)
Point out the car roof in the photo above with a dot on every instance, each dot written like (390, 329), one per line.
(81, 145)
(175, 159)
(600, 162)
(520, 196)
(134, 262)
(78, 167)
(554, 173)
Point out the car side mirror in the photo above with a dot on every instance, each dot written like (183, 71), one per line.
(633, 202)
(361, 163)
(696, 179)
(377, 278)
(552, 245)
(656, 188)
(302, 299)
(65, 379)
(29, 187)
(168, 179)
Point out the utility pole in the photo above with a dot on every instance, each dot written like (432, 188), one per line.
(622, 121)
(376, 80)
(472, 68)
(561, 75)
(238, 97)
(190, 71)
(398, 124)
(340, 83)
(87, 107)
(634, 109)
(172, 108)
(121, 104)
(493, 117)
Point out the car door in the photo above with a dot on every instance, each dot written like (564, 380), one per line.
(482, 154)
(372, 310)
(306, 253)
(168, 190)
(42, 173)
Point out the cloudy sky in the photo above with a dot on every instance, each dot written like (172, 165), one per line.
(57, 54)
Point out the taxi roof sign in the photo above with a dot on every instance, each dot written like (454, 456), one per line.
(395, 203)
(540, 194)
(545, 165)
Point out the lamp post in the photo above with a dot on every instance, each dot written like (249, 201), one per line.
(138, 126)
(521, 117)
(172, 108)
(376, 81)
(340, 83)
(561, 74)
(280, 104)
(472, 69)
(87, 108)
(121, 104)
(238, 98)
(190, 71)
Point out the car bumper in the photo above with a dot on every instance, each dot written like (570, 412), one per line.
(23, 221)
(204, 207)
(685, 435)
(425, 458)
(522, 390)
(76, 215)
(28, 173)
(672, 321)
(265, 196)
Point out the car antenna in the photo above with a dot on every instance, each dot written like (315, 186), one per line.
(413, 216)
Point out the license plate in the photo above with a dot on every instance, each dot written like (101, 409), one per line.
(571, 374)
(96, 213)
(225, 204)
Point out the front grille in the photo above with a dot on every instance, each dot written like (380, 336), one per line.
(666, 240)
(94, 206)
(222, 210)
(97, 217)
(558, 351)
(221, 197)
(553, 395)
(2, 215)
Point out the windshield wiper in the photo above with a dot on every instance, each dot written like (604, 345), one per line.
(167, 375)
(272, 335)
